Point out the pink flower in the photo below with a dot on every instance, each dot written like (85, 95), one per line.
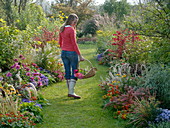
(21, 56)
(17, 66)
(76, 71)
(79, 75)
(33, 64)
(9, 74)
(16, 60)
(40, 83)
(28, 73)
(27, 69)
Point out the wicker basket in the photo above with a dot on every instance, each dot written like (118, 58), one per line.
(91, 72)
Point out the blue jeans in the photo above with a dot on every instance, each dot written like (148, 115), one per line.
(70, 60)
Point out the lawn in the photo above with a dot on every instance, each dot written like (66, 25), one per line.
(86, 112)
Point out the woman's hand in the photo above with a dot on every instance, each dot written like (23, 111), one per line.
(81, 58)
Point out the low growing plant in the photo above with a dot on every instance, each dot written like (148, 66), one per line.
(144, 112)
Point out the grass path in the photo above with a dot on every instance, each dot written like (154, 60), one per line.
(87, 112)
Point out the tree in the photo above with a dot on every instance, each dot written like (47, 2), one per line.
(83, 8)
(119, 8)
(151, 20)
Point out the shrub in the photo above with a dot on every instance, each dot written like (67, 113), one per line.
(144, 111)
(160, 125)
(90, 27)
(157, 78)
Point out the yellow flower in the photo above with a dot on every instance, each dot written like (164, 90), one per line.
(113, 81)
(19, 94)
(14, 92)
(49, 42)
(60, 11)
(52, 16)
(104, 97)
(16, 30)
(39, 27)
(17, 21)
(3, 21)
(39, 42)
(66, 17)
(62, 14)
(118, 74)
(99, 32)
(61, 17)
(12, 89)
(124, 76)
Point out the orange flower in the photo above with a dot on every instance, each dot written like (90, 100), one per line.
(3, 123)
(33, 98)
(117, 92)
(118, 112)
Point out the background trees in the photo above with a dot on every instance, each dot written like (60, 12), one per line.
(152, 20)
(117, 8)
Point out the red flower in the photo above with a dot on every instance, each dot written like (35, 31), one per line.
(118, 112)
(114, 43)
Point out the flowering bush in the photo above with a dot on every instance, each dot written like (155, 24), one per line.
(19, 120)
(21, 74)
(121, 47)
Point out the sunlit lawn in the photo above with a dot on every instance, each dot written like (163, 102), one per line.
(87, 112)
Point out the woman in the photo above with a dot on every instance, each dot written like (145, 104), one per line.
(70, 52)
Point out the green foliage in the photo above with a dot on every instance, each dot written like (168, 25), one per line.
(83, 8)
(157, 78)
(103, 40)
(144, 111)
(32, 16)
(31, 107)
(11, 120)
(150, 19)
(11, 43)
(160, 125)
(119, 8)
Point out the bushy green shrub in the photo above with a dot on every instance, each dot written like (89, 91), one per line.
(160, 125)
(11, 42)
(90, 27)
(157, 78)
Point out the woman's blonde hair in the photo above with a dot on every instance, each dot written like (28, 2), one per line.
(69, 20)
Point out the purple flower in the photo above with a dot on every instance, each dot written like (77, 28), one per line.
(26, 100)
(27, 69)
(24, 65)
(35, 74)
(13, 66)
(8, 74)
(17, 66)
(34, 64)
(16, 60)
(28, 73)
(31, 78)
(21, 56)
(1, 78)
(38, 105)
(40, 83)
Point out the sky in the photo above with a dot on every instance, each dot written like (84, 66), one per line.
(102, 1)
